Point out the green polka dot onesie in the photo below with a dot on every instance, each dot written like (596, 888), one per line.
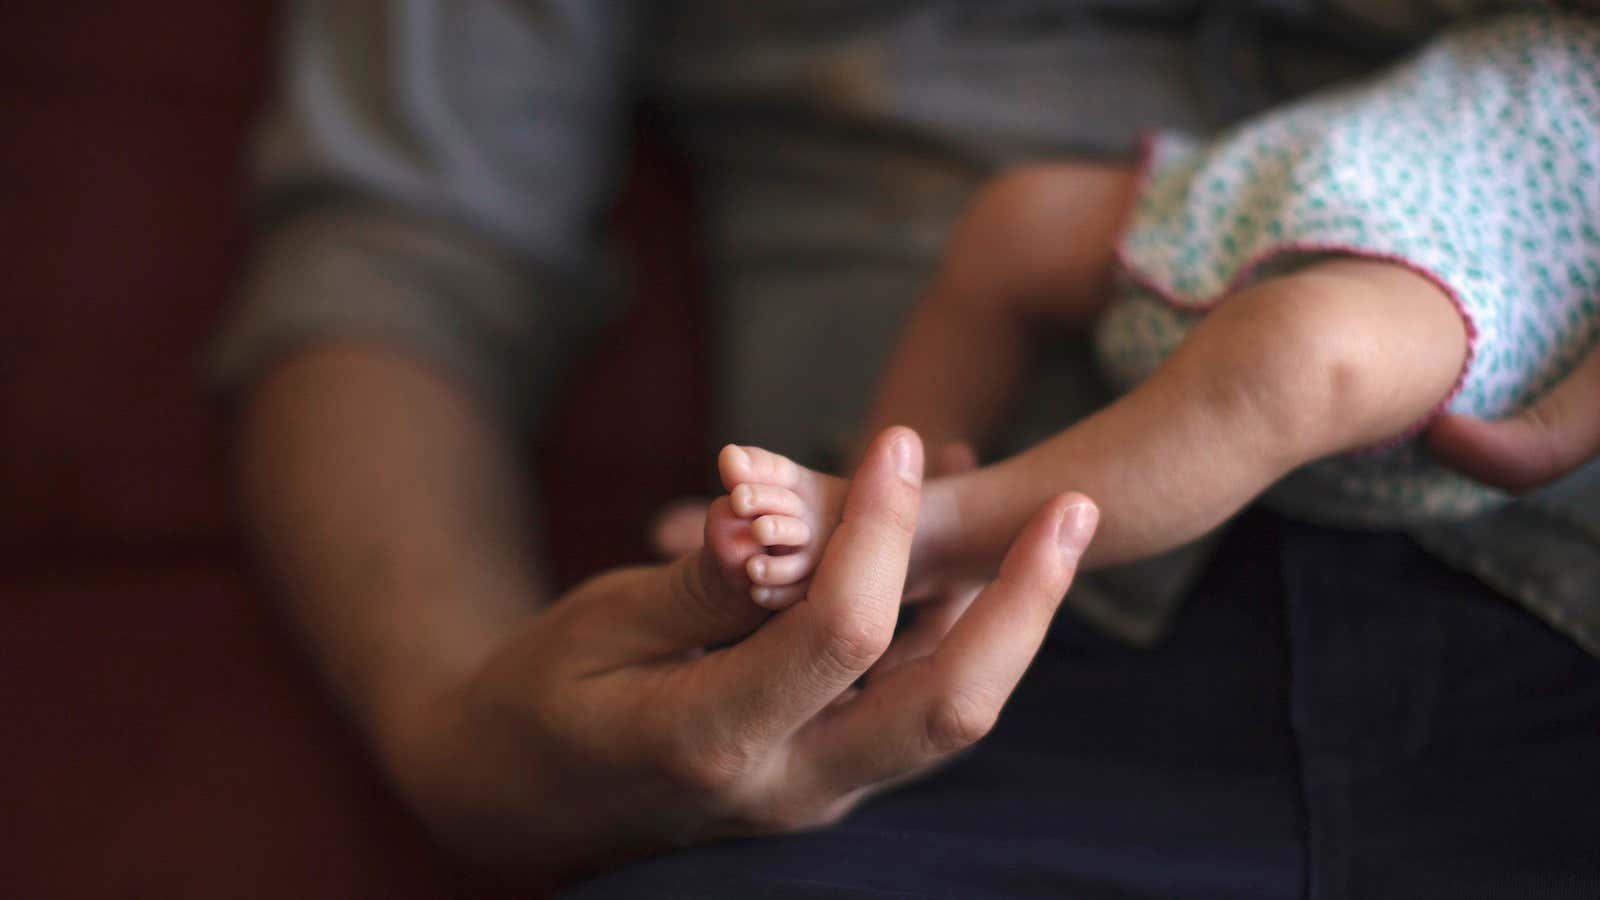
(1474, 164)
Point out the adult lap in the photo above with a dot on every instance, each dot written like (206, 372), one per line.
(1288, 731)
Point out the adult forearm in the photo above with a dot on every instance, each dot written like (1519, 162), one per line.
(387, 505)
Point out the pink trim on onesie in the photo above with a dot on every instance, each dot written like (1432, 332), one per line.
(1147, 147)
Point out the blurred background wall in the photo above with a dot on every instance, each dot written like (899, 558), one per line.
(163, 737)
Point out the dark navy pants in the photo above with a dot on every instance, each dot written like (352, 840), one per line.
(1334, 714)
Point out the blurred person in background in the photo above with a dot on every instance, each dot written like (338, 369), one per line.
(1288, 707)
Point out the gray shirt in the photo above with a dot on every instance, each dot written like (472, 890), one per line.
(434, 173)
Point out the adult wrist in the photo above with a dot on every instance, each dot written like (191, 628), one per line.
(444, 755)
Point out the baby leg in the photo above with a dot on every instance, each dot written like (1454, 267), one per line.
(1037, 242)
(1339, 355)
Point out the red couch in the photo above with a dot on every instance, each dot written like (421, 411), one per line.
(164, 737)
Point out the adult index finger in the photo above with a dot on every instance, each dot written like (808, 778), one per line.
(799, 661)
(930, 708)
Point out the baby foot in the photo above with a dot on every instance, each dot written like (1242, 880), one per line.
(787, 512)
(770, 529)
(679, 528)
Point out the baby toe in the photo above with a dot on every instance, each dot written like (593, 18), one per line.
(738, 464)
(776, 598)
(777, 571)
(780, 531)
(728, 538)
(751, 500)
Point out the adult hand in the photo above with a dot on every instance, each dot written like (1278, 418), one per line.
(609, 726)
(1547, 440)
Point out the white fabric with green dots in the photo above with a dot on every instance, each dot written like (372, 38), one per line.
(1477, 163)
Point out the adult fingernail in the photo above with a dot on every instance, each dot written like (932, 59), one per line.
(906, 463)
(1077, 526)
